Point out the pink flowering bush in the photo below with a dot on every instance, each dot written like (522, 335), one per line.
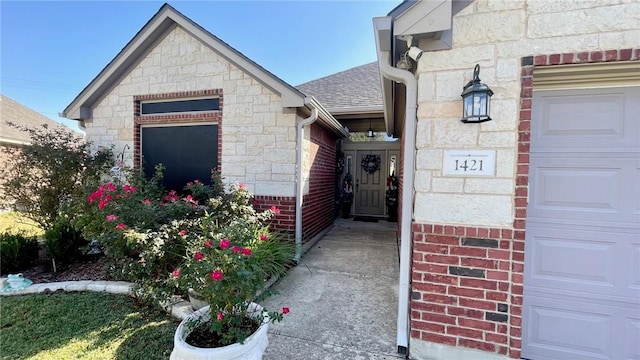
(228, 265)
(209, 238)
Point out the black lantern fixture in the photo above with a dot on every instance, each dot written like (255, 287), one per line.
(370, 133)
(476, 98)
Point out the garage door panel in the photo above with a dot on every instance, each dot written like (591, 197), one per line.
(598, 188)
(575, 119)
(633, 268)
(557, 329)
(594, 265)
(598, 262)
(632, 346)
(562, 328)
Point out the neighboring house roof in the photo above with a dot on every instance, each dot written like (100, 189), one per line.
(12, 111)
(353, 90)
(155, 29)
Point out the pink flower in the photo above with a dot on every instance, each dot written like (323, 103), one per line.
(216, 275)
(236, 249)
(95, 196)
(220, 316)
(285, 310)
(110, 187)
(112, 217)
(224, 244)
(120, 226)
(275, 210)
(190, 199)
(246, 251)
(196, 181)
(146, 201)
(190, 183)
(242, 186)
(198, 256)
(263, 237)
(176, 274)
(208, 244)
(183, 232)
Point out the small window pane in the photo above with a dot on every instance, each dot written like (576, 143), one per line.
(165, 107)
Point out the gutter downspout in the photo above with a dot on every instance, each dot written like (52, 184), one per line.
(409, 138)
(299, 184)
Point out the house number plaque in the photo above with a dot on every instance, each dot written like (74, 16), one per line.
(469, 163)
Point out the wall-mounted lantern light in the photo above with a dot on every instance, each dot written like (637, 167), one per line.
(476, 98)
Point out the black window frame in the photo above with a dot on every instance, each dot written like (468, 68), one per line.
(177, 106)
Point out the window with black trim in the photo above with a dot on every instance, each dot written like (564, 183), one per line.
(179, 106)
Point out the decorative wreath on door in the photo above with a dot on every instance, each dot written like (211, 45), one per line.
(371, 163)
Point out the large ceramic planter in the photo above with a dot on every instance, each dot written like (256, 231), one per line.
(252, 348)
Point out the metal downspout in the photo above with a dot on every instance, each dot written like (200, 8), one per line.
(409, 138)
(299, 184)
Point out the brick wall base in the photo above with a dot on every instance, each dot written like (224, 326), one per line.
(467, 287)
(285, 222)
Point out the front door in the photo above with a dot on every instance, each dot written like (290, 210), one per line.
(370, 182)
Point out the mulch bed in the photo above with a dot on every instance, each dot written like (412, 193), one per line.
(90, 268)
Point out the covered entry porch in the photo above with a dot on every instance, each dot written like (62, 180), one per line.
(372, 167)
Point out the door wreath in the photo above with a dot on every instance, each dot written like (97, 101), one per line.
(371, 163)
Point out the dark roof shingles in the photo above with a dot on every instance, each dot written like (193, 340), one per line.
(356, 87)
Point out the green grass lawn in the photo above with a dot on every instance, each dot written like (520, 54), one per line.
(86, 325)
(15, 222)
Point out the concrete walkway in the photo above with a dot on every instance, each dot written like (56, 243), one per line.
(342, 296)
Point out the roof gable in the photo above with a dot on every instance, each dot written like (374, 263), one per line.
(165, 20)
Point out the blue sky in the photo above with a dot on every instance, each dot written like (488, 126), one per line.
(50, 50)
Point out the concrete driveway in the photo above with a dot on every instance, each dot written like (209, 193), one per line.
(343, 297)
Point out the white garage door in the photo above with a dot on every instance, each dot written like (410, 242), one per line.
(582, 252)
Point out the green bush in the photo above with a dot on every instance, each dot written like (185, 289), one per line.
(17, 252)
(39, 178)
(63, 243)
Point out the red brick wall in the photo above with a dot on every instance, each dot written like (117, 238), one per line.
(467, 282)
(467, 286)
(285, 222)
(318, 209)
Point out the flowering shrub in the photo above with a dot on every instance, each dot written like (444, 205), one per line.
(227, 263)
(210, 240)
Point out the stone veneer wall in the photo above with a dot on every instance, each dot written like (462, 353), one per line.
(318, 209)
(258, 146)
(468, 233)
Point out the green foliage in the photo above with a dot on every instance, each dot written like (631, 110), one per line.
(211, 240)
(87, 325)
(63, 243)
(41, 177)
(17, 252)
(230, 255)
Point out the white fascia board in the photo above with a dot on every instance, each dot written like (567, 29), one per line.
(356, 110)
(424, 17)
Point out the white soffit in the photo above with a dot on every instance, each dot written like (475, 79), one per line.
(586, 76)
(424, 17)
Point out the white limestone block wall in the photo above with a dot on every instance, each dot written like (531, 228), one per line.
(258, 146)
(496, 34)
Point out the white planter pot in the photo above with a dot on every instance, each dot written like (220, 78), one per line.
(252, 348)
(195, 301)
